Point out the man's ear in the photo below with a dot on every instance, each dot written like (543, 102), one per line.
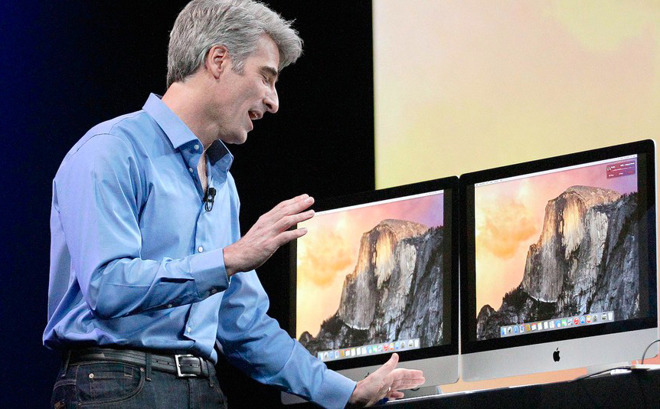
(217, 60)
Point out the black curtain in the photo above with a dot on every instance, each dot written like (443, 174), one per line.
(66, 66)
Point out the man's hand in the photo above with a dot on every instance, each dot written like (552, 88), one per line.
(386, 382)
(268, 234)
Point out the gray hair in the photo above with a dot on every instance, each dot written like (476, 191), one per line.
(236, 24)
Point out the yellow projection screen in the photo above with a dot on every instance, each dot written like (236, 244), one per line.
(463, 85)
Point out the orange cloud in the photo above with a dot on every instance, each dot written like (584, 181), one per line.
(323, 256)
(504, 228)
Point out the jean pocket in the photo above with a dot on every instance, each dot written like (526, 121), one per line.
(108, 382)
(64, 394)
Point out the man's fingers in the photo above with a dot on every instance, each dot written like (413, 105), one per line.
(286, 214)
(291, 220)
(390, 364)
(282, 234)
(395, 395)
(290, 235)
(279, 216)
(270, 232)
(407, 378)
(295, 205)
(386, 381)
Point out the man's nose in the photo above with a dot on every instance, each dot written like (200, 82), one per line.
(272, 101)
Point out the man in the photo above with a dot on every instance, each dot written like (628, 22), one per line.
(150, 278)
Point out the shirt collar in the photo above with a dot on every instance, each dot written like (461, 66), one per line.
(179, 134)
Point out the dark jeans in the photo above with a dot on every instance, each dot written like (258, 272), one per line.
(117, 385)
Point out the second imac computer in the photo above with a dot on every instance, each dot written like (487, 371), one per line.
(558, 263)
(377, 273)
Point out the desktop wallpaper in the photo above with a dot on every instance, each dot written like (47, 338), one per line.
(362, 270)
(557, 245)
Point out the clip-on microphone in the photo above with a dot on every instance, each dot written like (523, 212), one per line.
(209, 198)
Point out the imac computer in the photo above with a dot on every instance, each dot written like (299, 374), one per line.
(558, 263)
(377, 273)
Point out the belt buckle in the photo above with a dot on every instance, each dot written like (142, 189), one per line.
(178, 365)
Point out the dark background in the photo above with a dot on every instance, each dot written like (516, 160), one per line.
(67, 65)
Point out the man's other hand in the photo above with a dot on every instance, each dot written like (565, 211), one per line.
(268, 234)
(386, 382)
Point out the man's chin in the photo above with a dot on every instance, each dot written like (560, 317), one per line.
(235, 139)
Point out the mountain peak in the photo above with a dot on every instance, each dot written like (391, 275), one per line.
(590, 195)
(401, 229)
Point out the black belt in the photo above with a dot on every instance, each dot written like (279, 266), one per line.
(183, 365)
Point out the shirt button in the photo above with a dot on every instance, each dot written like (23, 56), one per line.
(196, 147)
(169, 305)
(188, 329)
(190, 170)
(213, 291)
(200, 249)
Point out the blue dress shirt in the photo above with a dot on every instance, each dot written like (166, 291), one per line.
(137, 261)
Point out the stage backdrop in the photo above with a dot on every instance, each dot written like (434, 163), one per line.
(464, 85)
(68, 65)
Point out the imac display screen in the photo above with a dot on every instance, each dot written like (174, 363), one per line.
(376, 274)
(561, 249)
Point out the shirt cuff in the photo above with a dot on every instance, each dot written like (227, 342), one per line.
(309, 378)
(208, 270)
(335, 390)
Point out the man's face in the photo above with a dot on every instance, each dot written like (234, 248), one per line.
(243, 98)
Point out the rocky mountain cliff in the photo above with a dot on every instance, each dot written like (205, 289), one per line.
(585, 260)
(394, 292)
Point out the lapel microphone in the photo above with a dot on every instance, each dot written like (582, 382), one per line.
(209, 198)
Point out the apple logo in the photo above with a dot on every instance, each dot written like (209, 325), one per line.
(555, 355)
